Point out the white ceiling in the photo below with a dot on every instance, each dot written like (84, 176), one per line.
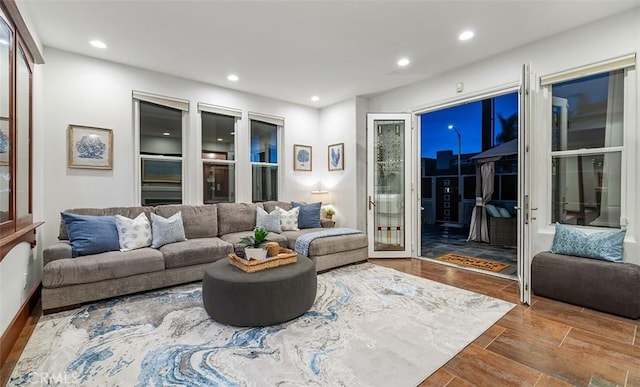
(295, 49)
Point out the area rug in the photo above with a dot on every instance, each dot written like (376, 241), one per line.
(478, 263)
(369, 326)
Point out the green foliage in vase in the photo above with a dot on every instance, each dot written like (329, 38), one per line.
(256, 240)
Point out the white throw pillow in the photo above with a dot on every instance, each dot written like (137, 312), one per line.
(167, 230)
(270, 221)
(289, 219)
(133, 233)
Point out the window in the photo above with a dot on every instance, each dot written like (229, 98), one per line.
(587, 131)
(219, 126)
(265, 156)
(160, 129)
(16, 217)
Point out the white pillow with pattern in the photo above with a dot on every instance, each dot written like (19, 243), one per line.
(289, 219)
(133, 233)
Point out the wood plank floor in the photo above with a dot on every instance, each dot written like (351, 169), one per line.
(548, 343)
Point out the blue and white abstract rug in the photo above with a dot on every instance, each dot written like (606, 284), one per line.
(369, 326)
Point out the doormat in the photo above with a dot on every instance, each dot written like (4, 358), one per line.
(478, 263)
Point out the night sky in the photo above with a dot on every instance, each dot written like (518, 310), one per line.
(467, 118)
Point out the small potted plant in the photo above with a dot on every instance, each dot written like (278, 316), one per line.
(329, 212)
(254, 244)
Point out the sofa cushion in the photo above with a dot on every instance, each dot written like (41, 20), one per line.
(271, 205)
(129, 212)
(328, 245)
(309, 216)
(195, 251)
(236, 217)
(200, 221)
(133, 233)
(606, 245)
(91, 234)
(234, 239)
(100, 267)
(268, 221)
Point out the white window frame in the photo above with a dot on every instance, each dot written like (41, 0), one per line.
(628, 149)
(225, 111)
(170, 102)
(279, 122)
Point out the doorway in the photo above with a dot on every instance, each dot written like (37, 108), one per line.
(468, 163)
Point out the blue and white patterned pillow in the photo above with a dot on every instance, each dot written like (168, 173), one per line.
(289, 219)
(270, 221)
(167, 230)
(605, 245)
(133, 233)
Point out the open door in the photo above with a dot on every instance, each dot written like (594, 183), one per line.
(526, 214)
(389, 185)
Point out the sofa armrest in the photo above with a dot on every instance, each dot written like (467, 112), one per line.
(58, 250)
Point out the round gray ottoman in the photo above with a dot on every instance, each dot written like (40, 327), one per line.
(266, 297)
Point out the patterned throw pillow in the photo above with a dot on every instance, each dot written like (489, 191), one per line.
(133, 233)
(90, 234)
(605, 245)
(167, 230)
(289, 219)
(270, 221)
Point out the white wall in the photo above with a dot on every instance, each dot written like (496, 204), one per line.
(338, 125)
(609, 38)
(87, 91)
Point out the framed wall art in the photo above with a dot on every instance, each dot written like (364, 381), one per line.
(89, 147)
(301, 158)
(336, 157)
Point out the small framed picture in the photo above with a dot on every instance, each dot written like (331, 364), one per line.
(336, 157)
(89, 147)
(301, 157)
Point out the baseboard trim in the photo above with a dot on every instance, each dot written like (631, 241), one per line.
(14, 329)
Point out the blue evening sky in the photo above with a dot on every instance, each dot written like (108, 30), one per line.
(467, 119)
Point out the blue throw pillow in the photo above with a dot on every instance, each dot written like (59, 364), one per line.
(309, 216)
(166, 230)
(91, 234)
(492, 210)
(605, 245)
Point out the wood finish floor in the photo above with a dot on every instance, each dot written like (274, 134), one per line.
(548, 343)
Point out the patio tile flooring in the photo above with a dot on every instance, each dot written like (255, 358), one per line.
(438, 240)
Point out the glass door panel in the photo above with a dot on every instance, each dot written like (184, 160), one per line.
(388, 196)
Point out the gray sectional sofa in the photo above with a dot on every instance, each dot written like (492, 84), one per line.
(212, 232)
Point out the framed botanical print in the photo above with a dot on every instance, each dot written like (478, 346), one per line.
(301, 158)
(89, 147)
(336, 157)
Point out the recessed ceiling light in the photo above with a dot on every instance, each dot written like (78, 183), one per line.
(219, 139)
(466, 35)
(98, 44)
(166, 134)
(233, 133)
(315, 98)
(232, 77)
(403, 62)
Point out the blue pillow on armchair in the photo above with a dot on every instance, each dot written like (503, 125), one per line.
(605, 245)
(91, 234)
(309, 216)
